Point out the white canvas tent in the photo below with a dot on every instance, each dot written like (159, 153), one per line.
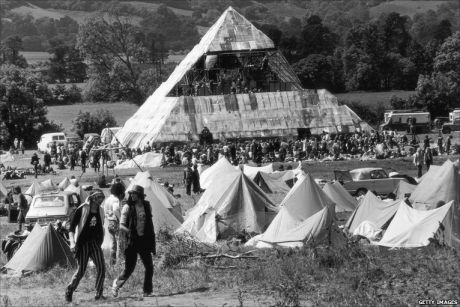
(64, 184)
(36, 187)
(251, 171)
(79, 190)
(145, 161)
(440, 184)
(157, 195)
(215, 172)
(305, 200)
(414, 228)
(371, 209)
(230, 206)
(342, 199)
(272, 182)
(404, 188)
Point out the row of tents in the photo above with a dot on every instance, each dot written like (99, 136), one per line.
(234, 203)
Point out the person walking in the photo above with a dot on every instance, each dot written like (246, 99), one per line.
(83, 157)
(112, 209)
(137, 225)
(188, 178)
(35, 161)
(428, 158)
(448, 144)
(21, 202)
(86, 235)
(196, 179)
(21, 146)
(418, 161)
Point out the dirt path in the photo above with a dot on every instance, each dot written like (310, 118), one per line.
(197, 297)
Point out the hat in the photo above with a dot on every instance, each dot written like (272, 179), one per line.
(137, 189)
(17, 189)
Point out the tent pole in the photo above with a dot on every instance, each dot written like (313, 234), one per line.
(116, 139)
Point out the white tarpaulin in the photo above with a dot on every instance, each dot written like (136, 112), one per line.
(414, 228)
(343, 200)
(146, 160)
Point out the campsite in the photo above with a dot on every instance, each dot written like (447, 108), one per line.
(361, 274)
(237, 177)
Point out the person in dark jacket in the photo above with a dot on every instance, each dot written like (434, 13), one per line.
(83, 157)
(136, 223)
(189, 176)
(35, 161)
(88, 225)
(20, 200)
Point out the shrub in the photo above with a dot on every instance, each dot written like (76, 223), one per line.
(85, 122)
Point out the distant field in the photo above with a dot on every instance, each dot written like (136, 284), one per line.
(34, 57)
(65, 114)
(154, 6)
(409, 8)
(283, 9)
(374, 98)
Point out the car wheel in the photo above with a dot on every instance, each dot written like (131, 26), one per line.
(361, 192)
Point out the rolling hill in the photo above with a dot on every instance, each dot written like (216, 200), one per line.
(405, 7)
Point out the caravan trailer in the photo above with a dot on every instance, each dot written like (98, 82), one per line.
(400, 120)
(454, 115)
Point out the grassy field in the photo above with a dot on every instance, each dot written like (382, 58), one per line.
(351, 274)
(65, 114)
(405, 7)
(373, 99)
(35, 57)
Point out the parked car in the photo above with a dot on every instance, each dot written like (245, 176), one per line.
(44, 145)
(51, 206)
(359, 181)
(447, 128)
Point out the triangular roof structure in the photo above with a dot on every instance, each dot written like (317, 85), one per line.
(251, 171)
(237, 204)
(42, 249)
(48, 185)
(169, 114)
(372, 209)
(64, 184)
(215, 172)
(404, 188)
(165, 209)
(272, 182)
(79, 190)
(303, 201)
(414, 228)
(343, 200)
(34, 189)
(441, 184)
(145, 161)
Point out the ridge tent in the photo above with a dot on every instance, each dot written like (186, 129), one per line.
(79, 190)
(318, 228)
(404, 188)
(64, 184)
(42, 249)
(440, 184)
(303, 201)
(342, 199)
(214, 173)
(230, 206)
(251, 171)
(414, 228)
(37, 188)
(158, 196)
(146, 160)
(372, 209)
(272, 182)
(48, 185)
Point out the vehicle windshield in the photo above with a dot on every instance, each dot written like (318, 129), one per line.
(49, 201)
(378, 174)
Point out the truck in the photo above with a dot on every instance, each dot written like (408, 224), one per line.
(454, 125)
(454, 115)
(401, 120)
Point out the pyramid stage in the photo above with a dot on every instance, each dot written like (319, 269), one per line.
(238, 85)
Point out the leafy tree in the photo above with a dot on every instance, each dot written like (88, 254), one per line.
(317, 38)
(443, 30)
(441, 90)
(395, 34)
(85, 122)
(22, 103)
(112, 49)
(10, 52)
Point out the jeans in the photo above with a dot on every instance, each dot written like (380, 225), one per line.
(137, 247)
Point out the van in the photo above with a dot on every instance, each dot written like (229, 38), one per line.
(44, 145)
(400, 120)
